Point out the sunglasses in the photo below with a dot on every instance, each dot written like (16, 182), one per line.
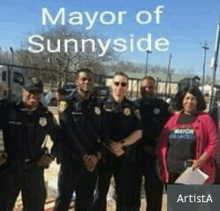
(123, 84)
(86, 79)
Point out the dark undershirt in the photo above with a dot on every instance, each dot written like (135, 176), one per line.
(181, 142)
(184, 118)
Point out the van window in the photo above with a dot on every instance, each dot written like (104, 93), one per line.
(4, 76)
(18, 78)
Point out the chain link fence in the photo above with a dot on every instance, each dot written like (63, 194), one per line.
(12, 75)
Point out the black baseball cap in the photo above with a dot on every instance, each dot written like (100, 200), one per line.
(33, 84)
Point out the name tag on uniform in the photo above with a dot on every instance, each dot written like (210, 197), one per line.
(15, 123)
(108, 108)
(77, 113)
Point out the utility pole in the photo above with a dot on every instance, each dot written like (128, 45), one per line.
(158, 81)
(217, 40)
(12, 55)
(59, 73)
(205, 47)
(168, 75)
(147, 62)
(9, 73)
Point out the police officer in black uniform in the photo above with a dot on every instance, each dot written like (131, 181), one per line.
(154, 112)
(25, 124)
(122, 129)
(80, 121)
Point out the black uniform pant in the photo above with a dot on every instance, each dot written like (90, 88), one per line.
(153, 185)
(3, 188)
(217, 174)
(125, 174)
(74, 177)
(31, 184)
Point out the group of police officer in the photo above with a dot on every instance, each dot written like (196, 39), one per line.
(95, 139)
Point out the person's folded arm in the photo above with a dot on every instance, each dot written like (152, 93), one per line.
(132, 138)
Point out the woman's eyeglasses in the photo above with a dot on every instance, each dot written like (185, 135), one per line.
(118, 83)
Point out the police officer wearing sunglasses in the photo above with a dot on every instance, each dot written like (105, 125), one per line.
(25, 124)
(154, 112)
(122, 129)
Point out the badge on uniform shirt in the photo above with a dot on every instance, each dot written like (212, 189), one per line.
(127, 111)
(97, 110)
(156, 111)
(107, 108)
(62, 106)
(138, 114)
(43, 121)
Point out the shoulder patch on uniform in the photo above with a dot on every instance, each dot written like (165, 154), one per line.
(43, 121)
(62, 106)
(127, 111)
(137, 113)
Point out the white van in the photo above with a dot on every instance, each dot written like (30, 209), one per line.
(11, 80)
